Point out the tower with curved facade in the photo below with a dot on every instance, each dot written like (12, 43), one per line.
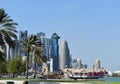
(64, 56)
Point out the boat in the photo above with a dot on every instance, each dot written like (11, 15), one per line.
(88, 75)
(84, 73)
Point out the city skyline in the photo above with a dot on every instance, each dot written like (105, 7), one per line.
(91, 28)
(64, 52)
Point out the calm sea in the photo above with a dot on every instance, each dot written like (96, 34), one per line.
(110, 79)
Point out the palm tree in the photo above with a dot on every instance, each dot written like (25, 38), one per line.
(7, 30)
(39, 57)
(28, 44)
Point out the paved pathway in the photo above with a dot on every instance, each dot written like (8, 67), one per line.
(21, 82)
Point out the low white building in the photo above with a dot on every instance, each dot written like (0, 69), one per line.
(117, 72)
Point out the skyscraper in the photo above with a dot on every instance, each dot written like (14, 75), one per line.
(97, 64)
(22, 37)
(79, 63)
(47, 48)
(18, 49)
(41, 36)
(64, 56)
(46, 44)
(15, 51)
(50, 49)
(55, 53)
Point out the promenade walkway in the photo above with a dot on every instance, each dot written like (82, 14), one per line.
(30, 82)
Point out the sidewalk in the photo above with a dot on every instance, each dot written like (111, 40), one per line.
(21, 82)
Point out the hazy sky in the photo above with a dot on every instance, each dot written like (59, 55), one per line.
(91, 27)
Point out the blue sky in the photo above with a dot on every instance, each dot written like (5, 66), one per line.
(91, 27)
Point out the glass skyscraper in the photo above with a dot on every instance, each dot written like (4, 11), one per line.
(23, 35)
(18, 49)
(50, 49)
(55, 51)
(15, 51)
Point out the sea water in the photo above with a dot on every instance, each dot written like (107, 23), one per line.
(112, 79)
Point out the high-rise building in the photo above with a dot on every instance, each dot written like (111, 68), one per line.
(46, 44)
(18, 49)
(22, 37)
(70, 61)
(65, 59)
(97, 64)
(55, 51)
(85, 66)
(47, 48)
(79, 63)
(41, 36)
(51, 50)
(15, 51)
(48, 52)
(74, 63)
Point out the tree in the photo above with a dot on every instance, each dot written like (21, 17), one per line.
(28, 44)
(2, 55)
(7, 30)
(15, 65)
(39, 57)
(3, 68)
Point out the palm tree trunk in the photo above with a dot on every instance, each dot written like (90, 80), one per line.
(27, 63)
(8, 52)
(35, 70)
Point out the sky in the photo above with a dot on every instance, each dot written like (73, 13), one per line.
(91, 27)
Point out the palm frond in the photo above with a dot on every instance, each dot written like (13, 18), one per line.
(13, 29)
(4, 33)
(9, 25)
(1, 40)
(9, 41)
(7, 30)
(39, 57)
(13, 35)
(2, 14)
